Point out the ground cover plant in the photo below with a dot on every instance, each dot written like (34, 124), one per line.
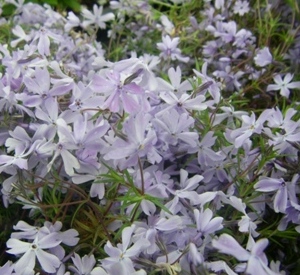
(150, 137)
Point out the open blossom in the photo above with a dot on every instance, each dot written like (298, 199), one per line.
(284, 85)
(43, 43)
(139, 141)
(33, 250)
(96, 17)
(282, 189)
(249, 127)
(122, 254)
(169, 50)
(205, 222)
(241, 7)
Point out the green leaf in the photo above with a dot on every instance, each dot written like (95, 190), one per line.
(8, 10)
(73, 4)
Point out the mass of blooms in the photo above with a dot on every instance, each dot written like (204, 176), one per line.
(150, 137)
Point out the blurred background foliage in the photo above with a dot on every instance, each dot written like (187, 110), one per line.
(59, 5)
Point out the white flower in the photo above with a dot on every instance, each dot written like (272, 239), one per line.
(96, 17)
(284, 84)
(241, 7)
(48, 262)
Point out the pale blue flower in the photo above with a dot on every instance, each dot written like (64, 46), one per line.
(284, 85)
(257, 262)
(96, 18)
(263, 57)
(169, 50)
(34, 250)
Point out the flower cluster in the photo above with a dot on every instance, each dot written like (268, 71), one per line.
(150, 149)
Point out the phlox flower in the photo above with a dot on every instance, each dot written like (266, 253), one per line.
(277, 119)
(214, 88)
(96, 17)
(84, 265)
(124, 253)
(23, 61)
(151, 229)
(38, 87)
(226, 30)
(28, 231)
(284, 85)
(62, 83)
(175, 128)
(72, 21)
(19, 32)
(185, 190)
(263, 57)
(139, 142)
(183, 102)
(246, 223)
(83, 97)
(68, 237)
(120, 91)
(43, 44)
(241, 7)
(65, 144)
(266, 184)
(228, 113)
(34, 250)
(167, 25)
(205, 222)
(175, 84)
(169, 50)
(9, 101)
(249, 127)
(257, 262)
(19, 159)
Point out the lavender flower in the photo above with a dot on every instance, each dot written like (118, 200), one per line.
(205, 223)
(7, 269)
(249, 127)
(256, 260)
(266, 184)
(84, 265)
(122, 254)
(263, 57)
(169, 50)
(139, 142)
